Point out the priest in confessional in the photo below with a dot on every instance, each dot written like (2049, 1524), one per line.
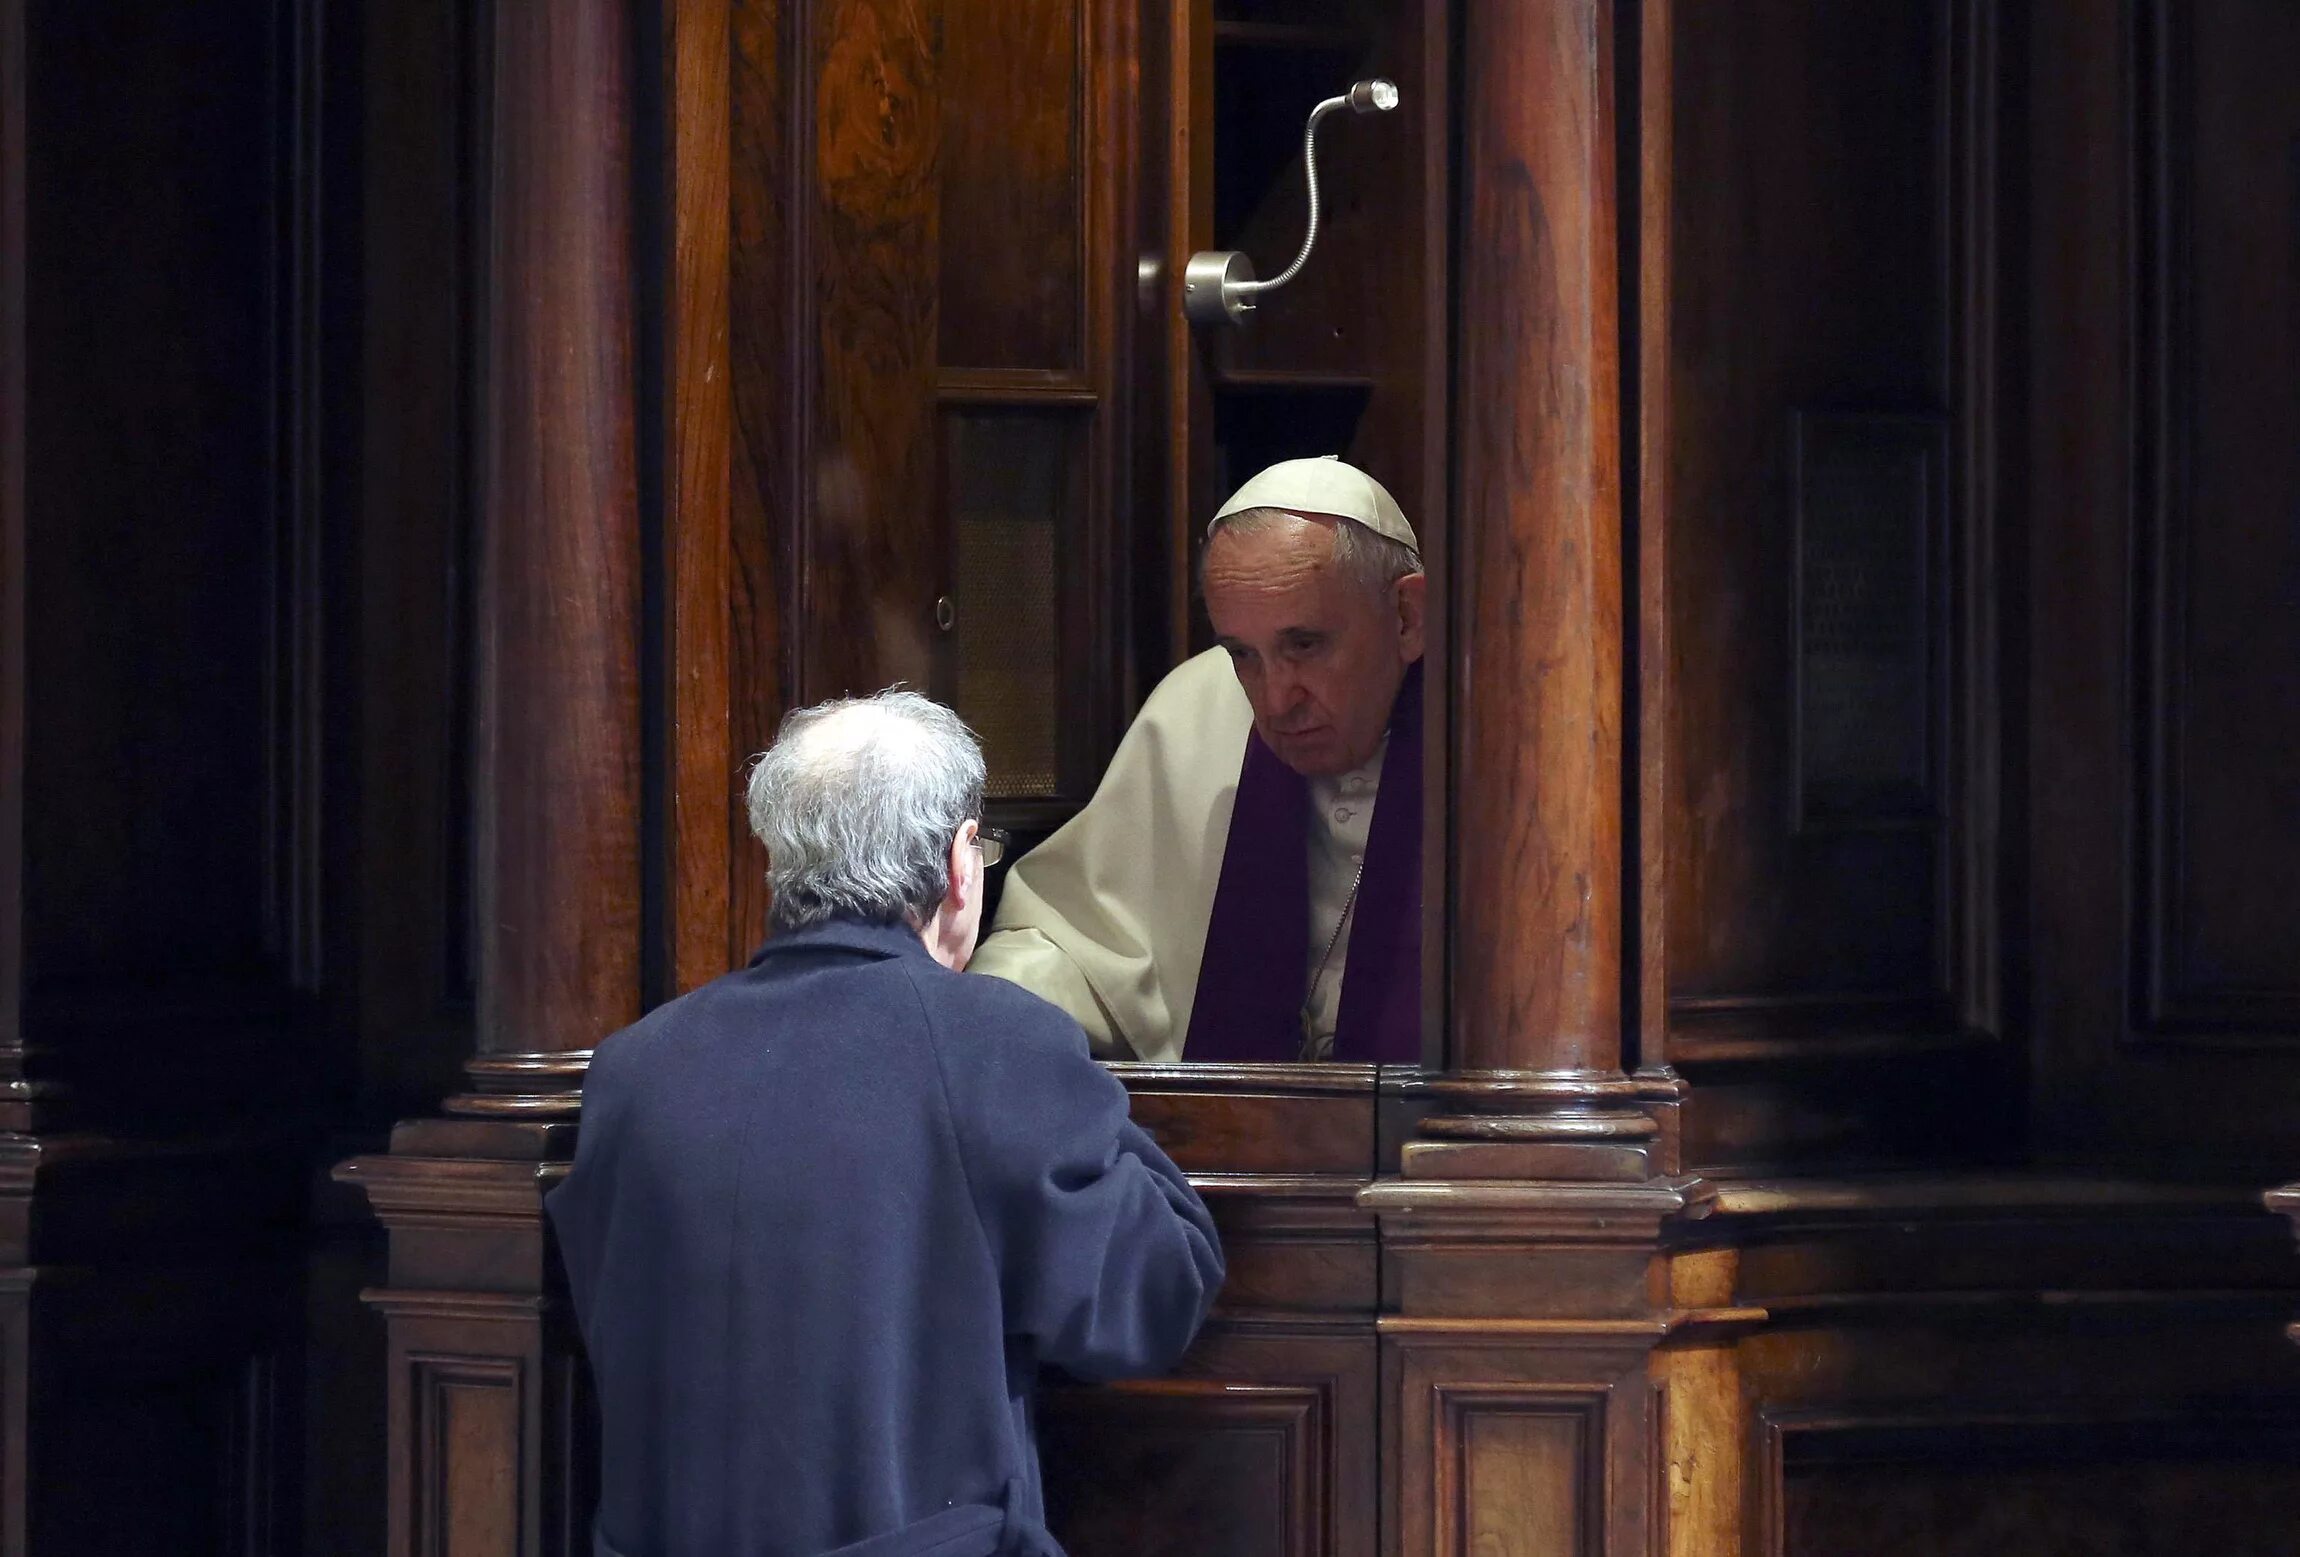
(1245, 884)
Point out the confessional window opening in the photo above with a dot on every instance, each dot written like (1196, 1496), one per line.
(1014, 619)
(1333, 363)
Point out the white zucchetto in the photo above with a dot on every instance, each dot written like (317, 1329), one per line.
(1326, 486)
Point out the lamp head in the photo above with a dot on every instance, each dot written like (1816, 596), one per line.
(1375, 96)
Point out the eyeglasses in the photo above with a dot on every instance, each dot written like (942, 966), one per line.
(992, 841)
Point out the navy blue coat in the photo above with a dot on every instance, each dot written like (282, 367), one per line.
(827, 1217)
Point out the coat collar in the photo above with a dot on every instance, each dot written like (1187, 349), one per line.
(854, 937)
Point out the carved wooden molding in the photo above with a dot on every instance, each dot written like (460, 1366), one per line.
(1528, 1442)
(2175, 1000)
(464, 1451)
(489, 1420)
(1958, 1433)
(1278, 1438)
(1506, 1459)
(2285, 1201)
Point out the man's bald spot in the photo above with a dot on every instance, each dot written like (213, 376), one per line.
(845, 738)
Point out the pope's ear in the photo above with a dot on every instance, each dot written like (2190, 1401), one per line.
(1413, 593)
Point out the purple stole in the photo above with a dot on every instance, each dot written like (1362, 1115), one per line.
(1253, 979)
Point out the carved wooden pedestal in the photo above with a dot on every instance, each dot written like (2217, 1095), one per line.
(493, 1446)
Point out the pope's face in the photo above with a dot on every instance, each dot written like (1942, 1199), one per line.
(1319, 654)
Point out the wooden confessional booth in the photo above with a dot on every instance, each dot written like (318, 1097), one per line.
(1855, 449)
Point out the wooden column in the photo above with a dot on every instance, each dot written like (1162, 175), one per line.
(1536, 1317)
(489, 1440)
(557, 775)
(1538, 559)
(1537, 925)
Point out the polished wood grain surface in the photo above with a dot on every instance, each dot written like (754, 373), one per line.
(1537, 658)
(1653, 253)
(706, 811)
(1823, 283)
(874, 558)
(1263, 1445)
(769, 318)
(1014, 256)
(2163, 1020)
(12, 173)
(558, 764)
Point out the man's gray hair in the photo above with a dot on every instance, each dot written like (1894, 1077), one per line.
(1361, 555)
(857, 802)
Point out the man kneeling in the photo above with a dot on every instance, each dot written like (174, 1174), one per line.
(830, 1213)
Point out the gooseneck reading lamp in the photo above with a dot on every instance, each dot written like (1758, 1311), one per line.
(1219, 287)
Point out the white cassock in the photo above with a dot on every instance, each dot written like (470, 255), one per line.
(1107, 918)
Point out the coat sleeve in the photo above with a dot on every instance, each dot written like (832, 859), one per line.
(1107, 1258)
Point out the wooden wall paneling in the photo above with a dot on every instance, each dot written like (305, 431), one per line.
(868, 527)
(1803, 945)
(341, 1482)
(15, 1277)
(15, 1399)
(771, 311)
(2156, 517)
(159, 802)
(1983, 1360)
(2079, 265)
(148, 1317)
(2284, 1200)
(405, 246)
(1936, 1482)
(706, 812)
(492, 1450)
(1031, 406)
(1827, 285)
(1652, 250)
(1189, 228)
(153, 1410)
(1695, 1503)
(1016, 248)
(1264, 1444)
(473, 1288)
(1433, 514)
(1268, 1439)
(1531, 1443)
(13, 171)
(1987, 366)
(411, 552)
(164, 894)
(2216, 485)
(1148, 323)
(1113, 127)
